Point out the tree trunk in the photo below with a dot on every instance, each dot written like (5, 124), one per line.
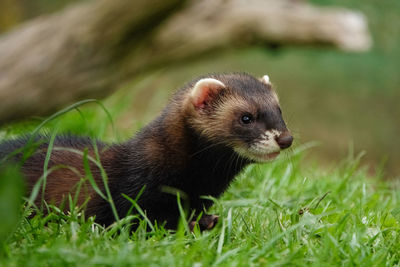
(73, 54)
(88, 49)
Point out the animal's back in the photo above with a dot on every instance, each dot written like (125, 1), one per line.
(71, 141)
(65, 168)
(7, 147)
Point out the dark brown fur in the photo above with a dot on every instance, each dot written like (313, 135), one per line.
(185, 148)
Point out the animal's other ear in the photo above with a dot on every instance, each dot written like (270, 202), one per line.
(265, 79)
(204, 90)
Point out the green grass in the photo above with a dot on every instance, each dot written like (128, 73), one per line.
(288, 212)
(274, 214)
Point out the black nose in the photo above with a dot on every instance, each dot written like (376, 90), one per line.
(285, 140)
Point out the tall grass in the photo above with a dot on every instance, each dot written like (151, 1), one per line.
(273, 214)
(280, 213)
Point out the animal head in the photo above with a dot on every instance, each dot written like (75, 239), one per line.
(241, 112)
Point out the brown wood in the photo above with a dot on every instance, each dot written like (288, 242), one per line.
(58, 59)
(88, 49)
(213, 24)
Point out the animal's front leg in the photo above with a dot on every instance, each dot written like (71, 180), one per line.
(206, 222)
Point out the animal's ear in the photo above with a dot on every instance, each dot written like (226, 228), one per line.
(204, 90)
(265, 80)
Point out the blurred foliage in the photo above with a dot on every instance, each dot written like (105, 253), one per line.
(11, 191)
(339, 99)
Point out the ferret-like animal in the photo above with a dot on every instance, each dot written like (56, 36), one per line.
(209, 131)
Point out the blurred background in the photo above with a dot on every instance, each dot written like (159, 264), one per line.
(345, 101)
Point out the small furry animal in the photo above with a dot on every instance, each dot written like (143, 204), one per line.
(209, 131)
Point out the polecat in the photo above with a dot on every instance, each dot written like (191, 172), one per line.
(209, 131)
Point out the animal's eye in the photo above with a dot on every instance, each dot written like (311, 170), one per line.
(246, 119)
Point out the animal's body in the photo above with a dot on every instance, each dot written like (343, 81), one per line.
(209, 131)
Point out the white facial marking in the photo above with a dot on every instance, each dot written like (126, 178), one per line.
(267, 143)
(271, 134)
(264, 146)
(265, 79)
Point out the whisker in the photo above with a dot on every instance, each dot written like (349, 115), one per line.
(230, 161)
(237, 165)
(207, 147)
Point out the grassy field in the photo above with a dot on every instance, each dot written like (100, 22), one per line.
(273, 214)
(294, 211)
(280, 213)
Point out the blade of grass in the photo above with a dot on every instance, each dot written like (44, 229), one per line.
(105, 181)
(140, 211)
(46, 164)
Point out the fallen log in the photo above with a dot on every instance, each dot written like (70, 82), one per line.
(88, 49)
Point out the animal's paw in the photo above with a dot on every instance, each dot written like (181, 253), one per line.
(206, 222)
